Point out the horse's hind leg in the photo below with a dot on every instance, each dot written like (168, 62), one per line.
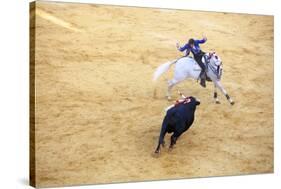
(171, 84)
(216, 95)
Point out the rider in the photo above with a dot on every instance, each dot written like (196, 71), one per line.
(193, 46)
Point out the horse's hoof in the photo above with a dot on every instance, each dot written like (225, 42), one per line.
(232, 103)
(218, 102)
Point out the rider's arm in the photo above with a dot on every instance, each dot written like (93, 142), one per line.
(187, 52)
(202, 40)
(183, 47)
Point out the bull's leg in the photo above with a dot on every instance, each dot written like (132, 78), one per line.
(174, 138)
(159, 146)
(180, 128)
(163, 143)
(219, 85)
(216, 95)
(160, 142)
(173, 141)
(157, 151)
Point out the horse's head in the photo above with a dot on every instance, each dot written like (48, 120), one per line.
(214, 62)
(214, 59)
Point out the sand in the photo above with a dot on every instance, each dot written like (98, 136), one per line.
(97, 120)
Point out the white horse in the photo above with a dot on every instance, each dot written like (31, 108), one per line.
(187, 67)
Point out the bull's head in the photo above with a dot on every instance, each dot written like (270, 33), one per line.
(191, 98)
(195, 101)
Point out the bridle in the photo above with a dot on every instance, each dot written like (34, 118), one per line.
(214, 63)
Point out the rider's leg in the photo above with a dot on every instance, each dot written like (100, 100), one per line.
(202, 75)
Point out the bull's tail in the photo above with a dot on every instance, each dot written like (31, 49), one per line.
(162, 69)
(162, 134)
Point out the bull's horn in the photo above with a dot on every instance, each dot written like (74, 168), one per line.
(182, 95)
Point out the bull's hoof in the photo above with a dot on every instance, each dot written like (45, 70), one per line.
(218, 102)
(169, 98)
(232, 103)
(170, 148)
(156, 153)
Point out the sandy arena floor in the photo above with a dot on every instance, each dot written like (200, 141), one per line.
(97, 120)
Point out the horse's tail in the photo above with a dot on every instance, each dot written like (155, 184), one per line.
(162, 69)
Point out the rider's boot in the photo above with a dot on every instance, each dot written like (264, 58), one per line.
(203, 79)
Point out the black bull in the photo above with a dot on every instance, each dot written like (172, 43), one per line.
(177, 120)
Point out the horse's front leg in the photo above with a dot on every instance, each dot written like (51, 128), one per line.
(216, 95)
(219, 85)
